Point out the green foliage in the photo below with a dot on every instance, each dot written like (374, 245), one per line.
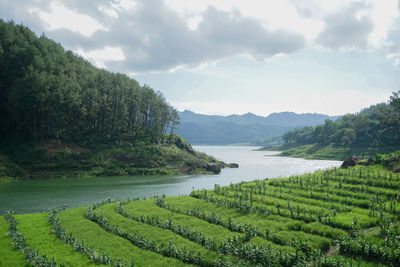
(19, 241)
(9, 256)
(336, 217)
(103, 242)
(373, 130)
(49, 93)
(270, 141)
(100, 123)
(175, 156)
(146, 208)
(140, 233)
(9, 169)
(39, 235)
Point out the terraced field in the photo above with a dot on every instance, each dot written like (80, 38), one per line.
(329, 218)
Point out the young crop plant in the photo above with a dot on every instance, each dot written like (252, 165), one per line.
(19, 243)
(167, 250)
(81, 246)
(197, 236)
(330, 218)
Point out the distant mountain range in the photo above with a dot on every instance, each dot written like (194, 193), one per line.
(200, 129)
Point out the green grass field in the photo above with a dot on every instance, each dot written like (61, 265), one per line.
(328, 218)
(331, 152)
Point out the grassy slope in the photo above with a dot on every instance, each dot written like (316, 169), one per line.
(342, 153)
(256, 220)
(338, 195)
(148, 208)
(95, 237)
(330, 152)
(160, 236)
(9, 256)
(38, 234)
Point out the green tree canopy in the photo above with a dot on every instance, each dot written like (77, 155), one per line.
(49, 93)
(376, 126)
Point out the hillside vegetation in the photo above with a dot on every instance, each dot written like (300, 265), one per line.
(335, 217)
(50, 93)
(61, 116)
(373, 130)
(59, 160)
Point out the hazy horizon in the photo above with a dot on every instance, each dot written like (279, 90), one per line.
(236, 114)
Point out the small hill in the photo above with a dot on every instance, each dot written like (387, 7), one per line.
(55, 159)
(61, 116)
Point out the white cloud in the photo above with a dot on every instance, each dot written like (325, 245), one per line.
(305, 17)
(110, 12)
(176, 33)
(101, 56)
(383, 14)
(61, 17)
(272, 14)
(193, 22)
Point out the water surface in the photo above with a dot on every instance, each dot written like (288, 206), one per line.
(40, 195)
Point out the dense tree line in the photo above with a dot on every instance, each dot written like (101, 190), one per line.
(376, 126)
(49, 93)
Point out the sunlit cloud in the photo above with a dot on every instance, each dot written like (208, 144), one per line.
(101, 56)
(61, 17)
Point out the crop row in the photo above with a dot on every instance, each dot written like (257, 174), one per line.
(75, 222)
(186, 232)
(329, 188)
(327, 198)
(293, 236)
(365, 173)
(19, 242)
(296, 221)
(291, 208)
(340, 220)
(80, 246)
(198, 237)
(278, 202)
(214, 218)
(251, 207)
(377, 205)
(223, 247)
(246, 249)
(371, 250)
(362, 191)
(167, 250)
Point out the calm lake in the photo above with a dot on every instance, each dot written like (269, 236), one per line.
(40, 195)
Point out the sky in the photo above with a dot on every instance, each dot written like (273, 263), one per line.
(234, 56)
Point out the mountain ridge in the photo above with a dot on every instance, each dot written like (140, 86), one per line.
(231, 129)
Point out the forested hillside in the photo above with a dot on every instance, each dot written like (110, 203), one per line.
(373, 130)
(248, 128)
(61, 116)
(50, 93)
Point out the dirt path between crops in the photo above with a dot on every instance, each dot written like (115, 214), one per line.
(333, 251)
